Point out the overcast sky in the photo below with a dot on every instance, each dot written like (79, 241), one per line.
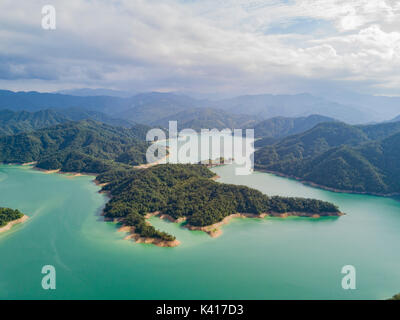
(231, 46)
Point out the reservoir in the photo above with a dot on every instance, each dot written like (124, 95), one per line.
(272, 258)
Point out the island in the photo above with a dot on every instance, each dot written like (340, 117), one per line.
(188, 194)
(9, 218)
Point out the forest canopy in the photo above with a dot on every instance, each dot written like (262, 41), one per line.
(186, 191)
(85, 146)
(7, 215)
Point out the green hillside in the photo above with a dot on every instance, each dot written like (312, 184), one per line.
(339, 156)
(23, 121)
(187, 191)
(84, 146)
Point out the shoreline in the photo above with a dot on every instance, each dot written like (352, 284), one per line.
(256, 169)
(320, 186)
(33, 167)
(68, 174)
(215, 231)
(146, 240)
(9, 225)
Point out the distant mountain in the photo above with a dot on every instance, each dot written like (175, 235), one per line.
(84, 146)
(396, 119)
(268, 106)
(77, 114)
(143, 108)
(87, 92)
(150, 107)
(24, 121)
(339, 156)
(35, 101)
(207, 118)
(279, 127)
(382, 107)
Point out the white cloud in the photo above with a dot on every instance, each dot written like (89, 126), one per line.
(199, 45)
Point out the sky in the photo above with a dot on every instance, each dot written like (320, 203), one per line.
(205, 46)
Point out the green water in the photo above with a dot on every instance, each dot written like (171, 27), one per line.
(293, 258)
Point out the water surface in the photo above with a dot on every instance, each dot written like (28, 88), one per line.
(295, 258)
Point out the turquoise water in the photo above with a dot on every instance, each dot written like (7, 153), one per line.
(295, 258)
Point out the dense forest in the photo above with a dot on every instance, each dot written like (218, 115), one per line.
(7, 215)
(187, 191)
(339, 156)
(23, 121)
(85, 146)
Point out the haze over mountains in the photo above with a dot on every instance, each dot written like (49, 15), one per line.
(88, 92)
(155, 108)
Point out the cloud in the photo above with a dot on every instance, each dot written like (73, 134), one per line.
(219, 45)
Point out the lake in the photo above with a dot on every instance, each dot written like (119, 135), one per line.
(272, 258)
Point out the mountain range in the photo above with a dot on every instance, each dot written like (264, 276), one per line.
(148, 108)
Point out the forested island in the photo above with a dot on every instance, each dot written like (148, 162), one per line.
(187, 193)
(9, 217)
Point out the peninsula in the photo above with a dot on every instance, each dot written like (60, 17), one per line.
(9, 218)
(187, 193)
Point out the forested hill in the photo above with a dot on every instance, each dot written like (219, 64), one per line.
(339, 156)
(85, 146)
(23, 121)
(7, 215)
(271, 130)
(187, 191)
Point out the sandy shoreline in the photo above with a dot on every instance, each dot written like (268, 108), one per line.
(215, 231)
(163, 160)
(139, 239)
(67, 174)
(8, 226)
(316, 185)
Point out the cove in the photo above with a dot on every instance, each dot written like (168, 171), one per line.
(272, 258)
